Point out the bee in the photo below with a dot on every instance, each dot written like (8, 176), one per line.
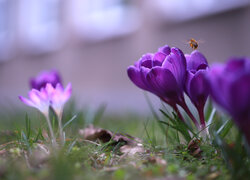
(193, 43)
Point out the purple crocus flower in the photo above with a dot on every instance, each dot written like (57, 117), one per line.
(48, 96)
(230, 89)
(58, 96)
(162, 73)
(197, 87)
(38, 99)
(45, 77)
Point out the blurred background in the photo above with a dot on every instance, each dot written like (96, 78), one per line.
(92, 42)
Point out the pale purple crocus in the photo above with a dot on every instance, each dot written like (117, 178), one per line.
(58, 96)
(163, 73)
(50, 96)
(38, 100)
(230, 89)
(45, 77)
(41, 101)
(197, 87)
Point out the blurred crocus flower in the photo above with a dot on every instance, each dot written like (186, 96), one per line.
(230, 88)
(38, 99)
(197, 87)
(48, 96)
(162, 73)
(45, 77)
(58, 96)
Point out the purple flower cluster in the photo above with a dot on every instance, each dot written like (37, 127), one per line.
(168, 74)
(47, 91)
(230, 89)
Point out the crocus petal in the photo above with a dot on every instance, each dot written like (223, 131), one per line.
(26, 101)
(239, 91)
(147, 63)
(145, 57)
(59, 88)
(33, 83)
(45, 77)
(189, 77)
(49, 89)
(196, 61)
(164, 81)
(59, 97)
(37, 100)
(159, 56)
(135, 76)
(199, 89)
(235, 66)
(34, 96)
(176, 63)
(165, 49)
(67, 92)
(247, 65)
(219, 86)
(43, 94)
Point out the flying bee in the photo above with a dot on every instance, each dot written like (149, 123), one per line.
(193, 43)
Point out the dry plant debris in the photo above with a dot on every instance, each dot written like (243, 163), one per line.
(132, 145)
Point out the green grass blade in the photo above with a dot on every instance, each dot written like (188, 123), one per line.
(225, 128)
(67, 123)
(27, 126)
(211, 117)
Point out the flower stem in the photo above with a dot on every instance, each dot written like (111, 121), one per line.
(203, 128)
(60, 128)
(53, 139)
(178, 113)
(173, 105)
(185, 107)
(201, 115)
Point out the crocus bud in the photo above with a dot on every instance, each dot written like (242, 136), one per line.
(230, 89)
(45, 77)
(196, 85)
(162, 73)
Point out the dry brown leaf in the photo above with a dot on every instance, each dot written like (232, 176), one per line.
(157, 160)
(132, 145)
(213, 175)
(132, 150)
(92, 133)
(194, 148)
